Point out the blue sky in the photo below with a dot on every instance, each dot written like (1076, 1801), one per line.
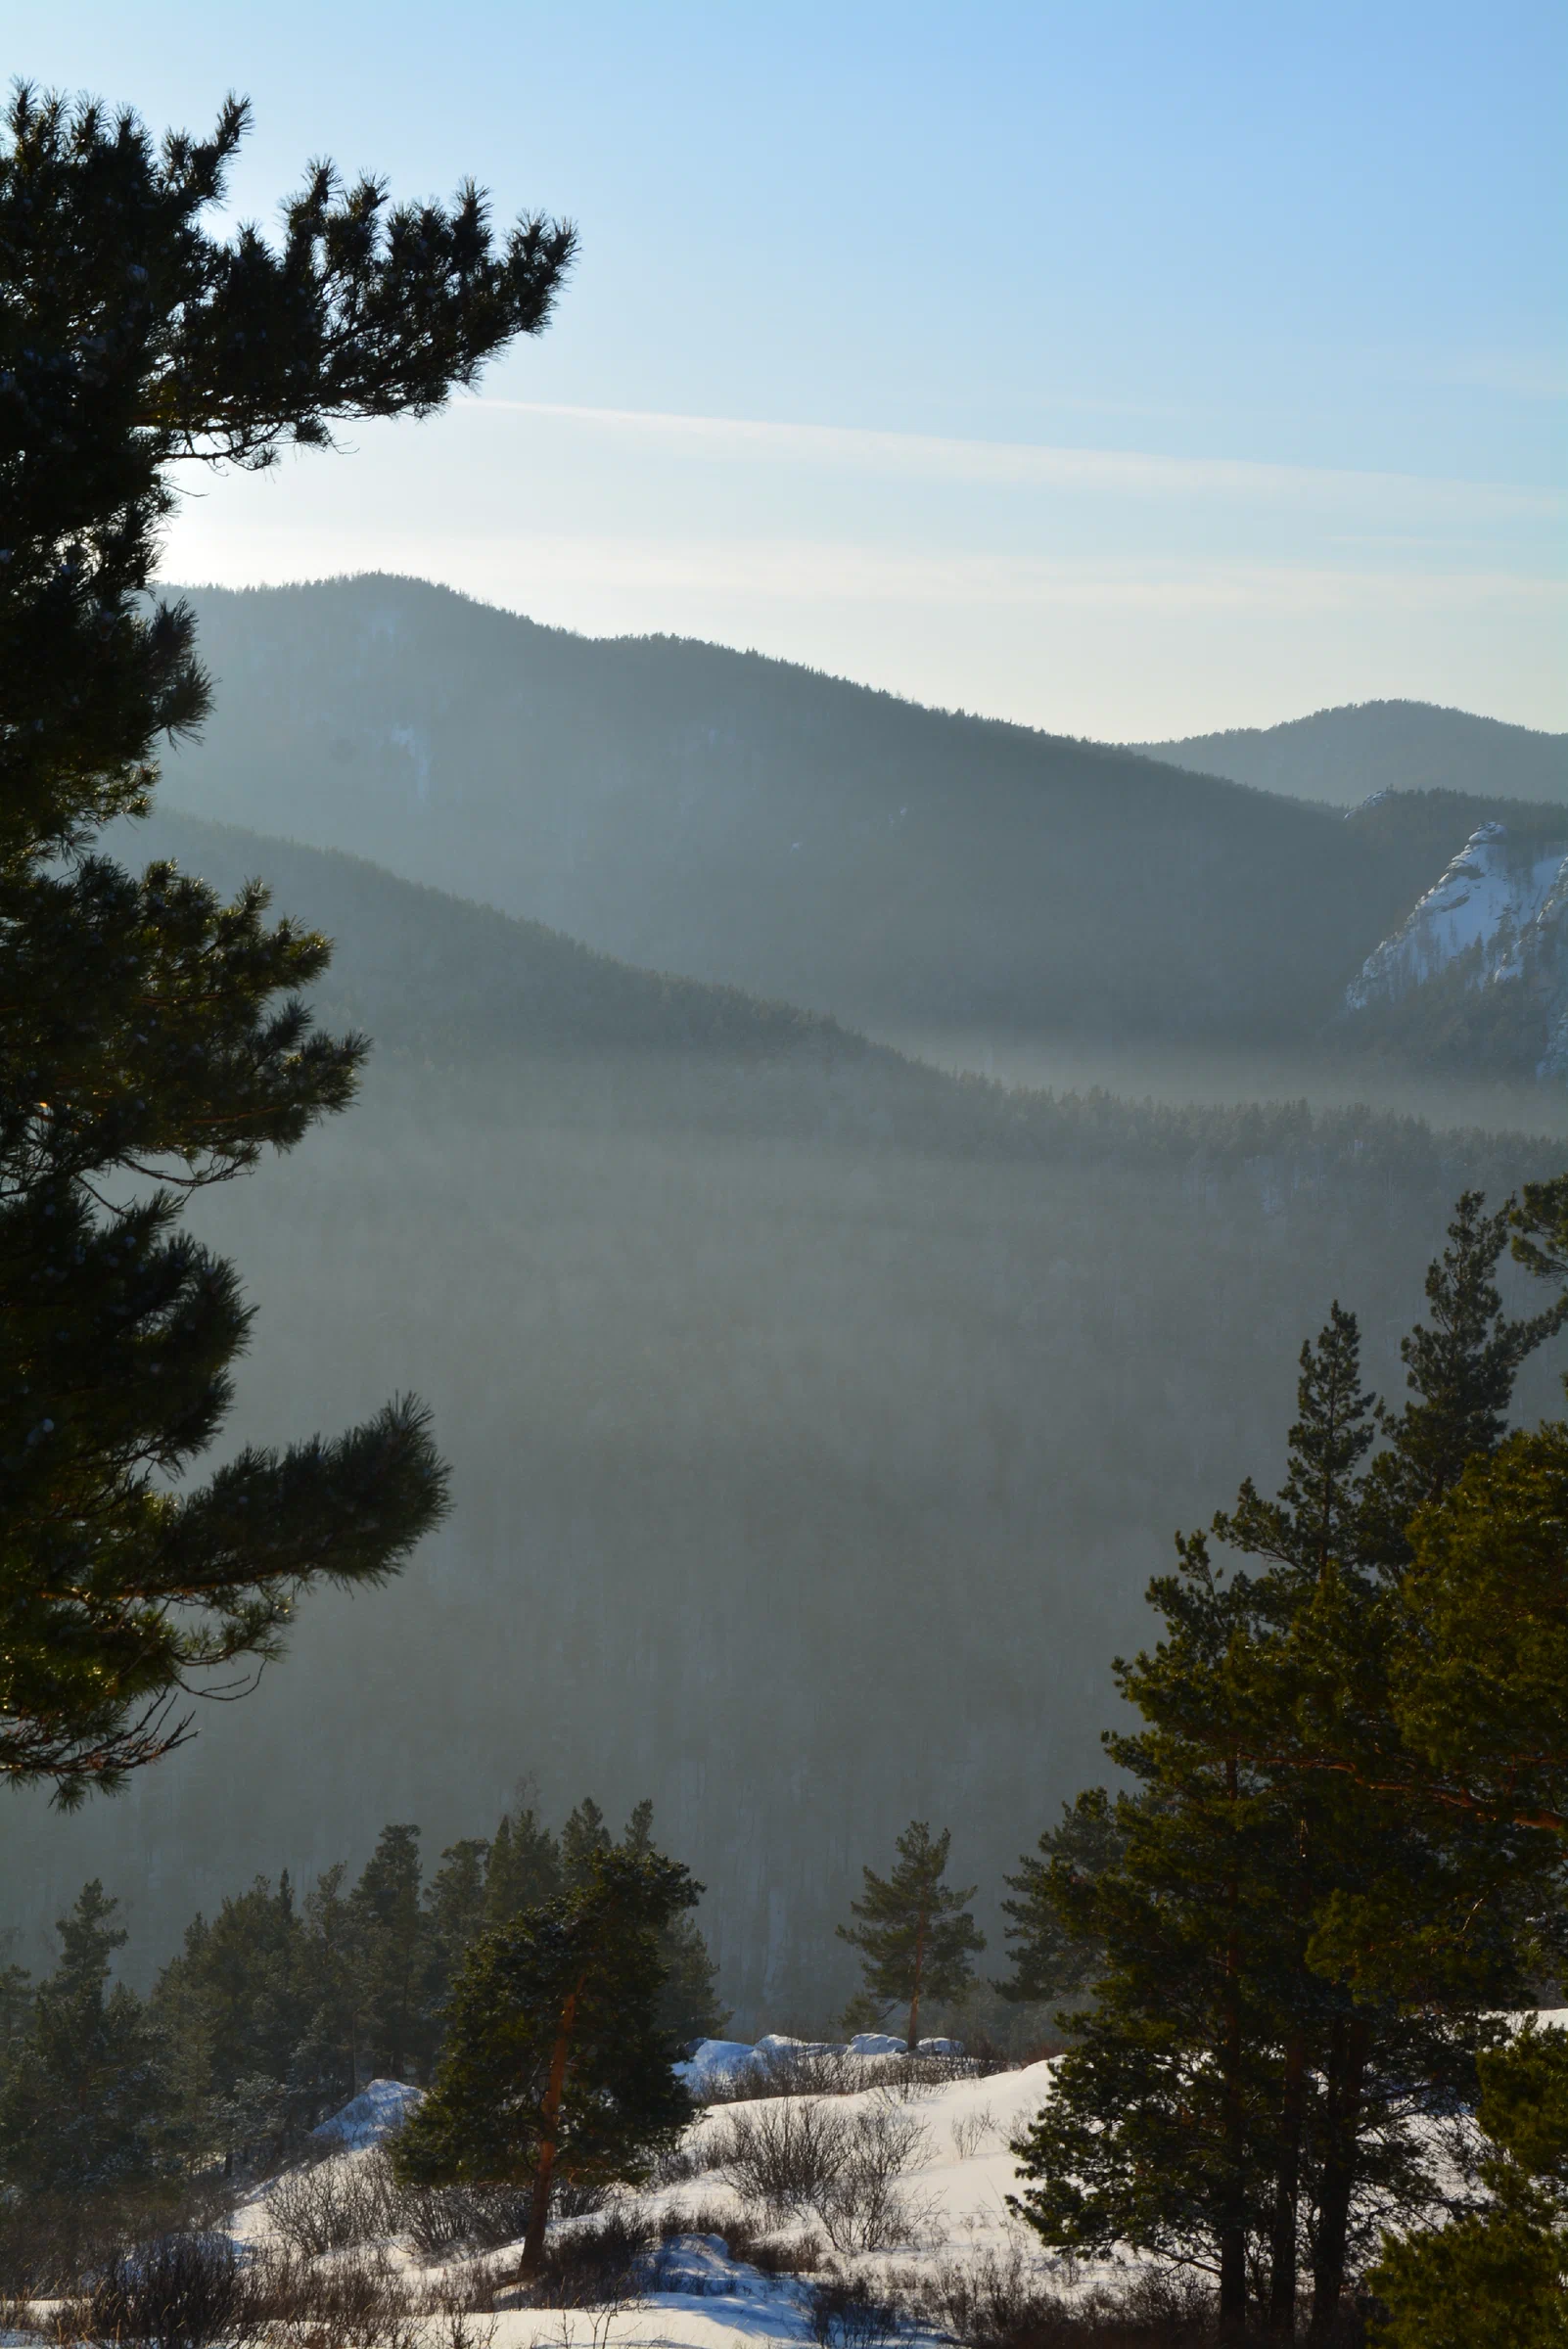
(1126, 369)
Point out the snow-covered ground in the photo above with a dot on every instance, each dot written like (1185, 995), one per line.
(689, 2291)
(694, 2295)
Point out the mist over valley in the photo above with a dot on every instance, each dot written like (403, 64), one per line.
(819, 1410)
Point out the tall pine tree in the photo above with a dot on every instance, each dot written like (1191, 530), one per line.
(555, 2064)
(85, 2102)
(914, 1931)
(153, 1039)
(1281, 1966)
(388, 1929)
(523, 1868)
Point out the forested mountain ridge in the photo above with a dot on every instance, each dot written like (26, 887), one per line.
(425, 971)
(1342, 755)
(815, 1418)
(737, 819)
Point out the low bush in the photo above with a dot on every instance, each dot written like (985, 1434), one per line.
(344, 2203)
(1006, 2301)
(846, 2313)
(863, 2206)
(972, 2130)
(799, 2157)
(56, 2246)
(181, 2290)
(438, 2219)
(745, 2239)
(596, 2265)
(785, 2156)
(836, 2072)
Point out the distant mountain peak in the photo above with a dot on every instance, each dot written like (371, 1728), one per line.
(1358, 750)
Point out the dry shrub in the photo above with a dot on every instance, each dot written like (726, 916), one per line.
(597, 2266)
(846, 2313)
(863, 2208)
(354, 2302)
(1003, 2301)
(438, 2219)
(798, 2157)
(745, 2240)
(783, 2157)
(182, 2290)
(972, 2130)
(57, 2244)
(680, 2164)
(341, 2204)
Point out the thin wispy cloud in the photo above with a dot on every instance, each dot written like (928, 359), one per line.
(1127, 473)
(818, 571)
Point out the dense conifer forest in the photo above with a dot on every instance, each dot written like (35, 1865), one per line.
(759, 1351)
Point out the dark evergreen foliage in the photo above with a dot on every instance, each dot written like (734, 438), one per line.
(1050, 1961)
(1497, 2274)
(277, 2010)
(524, 1867)
(555, 2064)
(148, 1032)
(1298, 1960)
(83, 2094)
(914, 1932)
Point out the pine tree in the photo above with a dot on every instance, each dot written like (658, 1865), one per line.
(1311, 1534)
(235, 2006)
(585, 1837)
(1411, 1933)
(331, 2050)
(524, 1866)
(1479, 1668)
(84, 2103)
(15, 1996)
(555, 2064)
(152, 1040)
(1281, 1961)
(1050, 1959)
(1497, 2274)
(1460, 1367)
(688, 2003)
(1158, 2129)
(915, 1934)
(454, 1905)
(389, 1941)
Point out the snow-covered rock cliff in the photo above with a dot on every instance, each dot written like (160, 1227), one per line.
(1505, 896)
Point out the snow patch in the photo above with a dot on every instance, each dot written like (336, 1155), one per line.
(376, 2112)
(417, 746)
(714, 2061)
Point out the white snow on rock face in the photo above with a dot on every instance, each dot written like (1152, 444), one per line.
(716, 2060)
(1493, 894)
(726, 2059)
(379, 2109)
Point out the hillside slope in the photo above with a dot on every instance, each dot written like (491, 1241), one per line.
(1342, 755)
(735, 820)
(816, 1420)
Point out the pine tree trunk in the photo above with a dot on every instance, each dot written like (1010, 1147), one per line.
(1283, 2251)
(913, 2038)
(544, 2166)
(1352, 2040)
(1233, 2230)
(1287, 2193)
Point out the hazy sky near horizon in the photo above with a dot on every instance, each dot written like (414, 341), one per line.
(1127, 369)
